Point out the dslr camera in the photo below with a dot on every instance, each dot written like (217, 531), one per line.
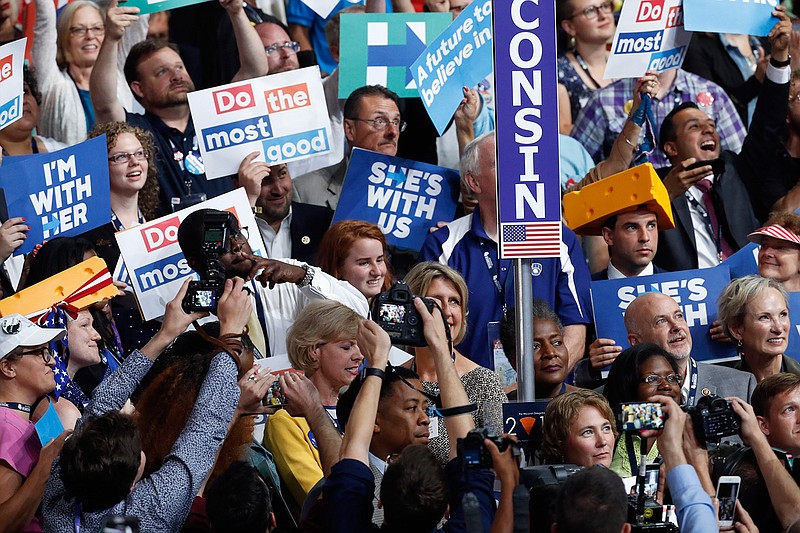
(203, 294)
(473, 453)
(395, 313)
(714, 418)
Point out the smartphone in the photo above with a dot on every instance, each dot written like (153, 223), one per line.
(640, 415)
(717, 165)
(727, 493)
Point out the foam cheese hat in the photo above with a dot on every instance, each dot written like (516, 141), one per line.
(72, 289)
(586, 210)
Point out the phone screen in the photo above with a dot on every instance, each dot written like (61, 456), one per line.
(641, 415)
(727, 493)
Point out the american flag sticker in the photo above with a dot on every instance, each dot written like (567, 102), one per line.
(530, 239)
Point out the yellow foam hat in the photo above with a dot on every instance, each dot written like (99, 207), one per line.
(586, 210)
(75, 288)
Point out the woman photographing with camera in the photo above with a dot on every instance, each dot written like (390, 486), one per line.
(447, 288)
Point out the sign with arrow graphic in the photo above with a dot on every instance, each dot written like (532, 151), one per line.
(393, 42)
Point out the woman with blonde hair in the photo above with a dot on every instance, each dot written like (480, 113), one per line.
(322, 344)
(579, 429)
(448, 289)
(63, 56)
(754, 312)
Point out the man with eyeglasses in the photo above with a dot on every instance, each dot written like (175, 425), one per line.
(371, 121)
(159, 81)
(280, 49)
(655, 317)
(279, 288)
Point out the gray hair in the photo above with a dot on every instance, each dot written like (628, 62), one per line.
(470, 160)
(732, 303)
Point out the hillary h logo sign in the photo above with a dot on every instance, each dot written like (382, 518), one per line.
(528, 184)
(394, 41)
(283, 116)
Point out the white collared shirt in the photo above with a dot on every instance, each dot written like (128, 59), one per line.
(614, 273)
(277, 244)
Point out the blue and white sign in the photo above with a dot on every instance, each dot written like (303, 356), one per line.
(460, 57)
(695, 291)
(12, 56)
(744, 262)
(730, 16)
(59, 193)
(526, 107)
(393, 42)
(404, 197)
(793, 349)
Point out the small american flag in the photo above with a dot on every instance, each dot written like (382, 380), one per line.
(530, 239)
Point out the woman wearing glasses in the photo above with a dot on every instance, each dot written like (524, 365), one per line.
(637, 375)
(26, 376)
(134, 199)
(590, 26)
(63, 57)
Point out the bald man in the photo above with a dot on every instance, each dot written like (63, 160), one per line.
(655, 317)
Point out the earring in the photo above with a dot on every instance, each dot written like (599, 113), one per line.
(571, 44)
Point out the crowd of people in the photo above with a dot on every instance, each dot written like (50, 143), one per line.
(180, 424)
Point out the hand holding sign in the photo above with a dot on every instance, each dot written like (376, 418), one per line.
(13, 233)
(118, 19)
(603, 352)
(250, 175)
(780, 34)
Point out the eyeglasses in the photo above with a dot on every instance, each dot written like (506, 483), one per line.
(43, 352)
(81, 31)
(124, 157)
(655, 380)
(239, 238)
(381, 123)
(278, 47)
(593, 12)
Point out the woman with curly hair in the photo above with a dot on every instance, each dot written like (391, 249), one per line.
(134, 199)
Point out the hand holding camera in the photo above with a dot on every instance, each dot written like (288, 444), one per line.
(234, 307)
(176, 318)
(396, 312)
(300, 394)
(374, 344)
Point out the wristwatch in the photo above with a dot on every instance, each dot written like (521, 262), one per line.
(308, 278)
(369, 371)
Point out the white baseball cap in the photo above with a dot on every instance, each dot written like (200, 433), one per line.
(16, 331)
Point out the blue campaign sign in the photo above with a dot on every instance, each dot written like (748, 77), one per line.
(730, 16)
(743, 262)
(59, 193)
(404, 197)
(526, 107)
(695, 291)
(793, 350)
(460, 57)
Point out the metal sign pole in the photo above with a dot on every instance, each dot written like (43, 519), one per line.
(523, 296)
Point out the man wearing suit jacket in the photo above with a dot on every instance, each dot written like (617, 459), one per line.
(632, 240)
(713, 204)
(372, 122)
(655, 317)
(289, 229)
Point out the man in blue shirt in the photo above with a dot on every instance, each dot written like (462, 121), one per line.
(469, 245)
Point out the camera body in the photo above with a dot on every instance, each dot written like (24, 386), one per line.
(274, 396)
(714, 418)
(394, 312)
(203, 294)
(473, 453)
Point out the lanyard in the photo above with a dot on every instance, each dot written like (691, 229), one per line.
(692, 381)
(585, 68)
(632, 454)
(118, 225)
(77, 514)
(262, 319)
(707, 221)
(24, 407)
(494, 271)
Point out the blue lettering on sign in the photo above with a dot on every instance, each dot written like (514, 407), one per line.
(290, 147)
(162, 272)
(637, 42)
(235, 133)
(667, 59)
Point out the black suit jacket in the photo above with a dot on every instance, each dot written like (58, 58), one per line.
(309, 224)
(736, 190)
